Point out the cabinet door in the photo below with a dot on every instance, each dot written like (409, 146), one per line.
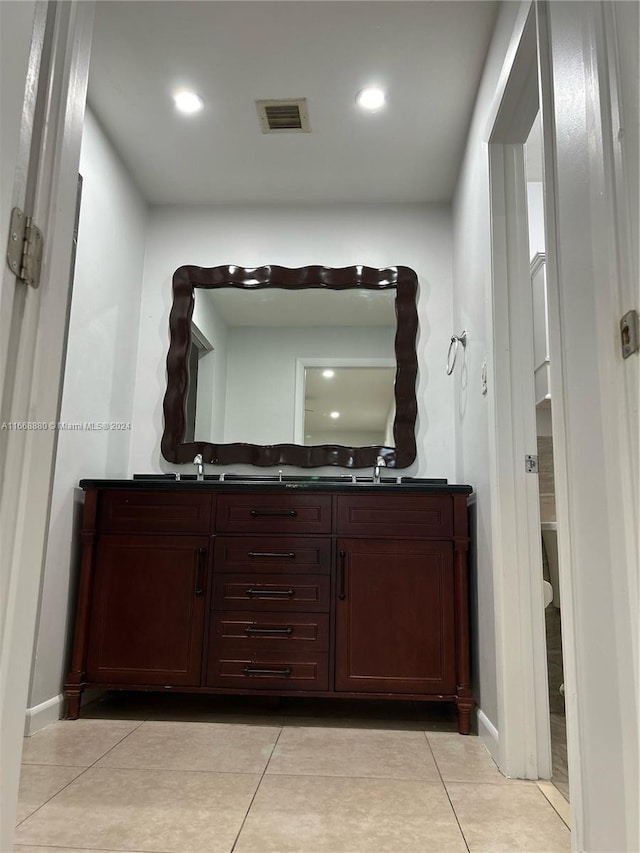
(147, 612)
(395, 617)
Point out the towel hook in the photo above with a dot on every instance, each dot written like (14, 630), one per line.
(456, 340)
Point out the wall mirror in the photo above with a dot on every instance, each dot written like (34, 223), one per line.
(309, 367)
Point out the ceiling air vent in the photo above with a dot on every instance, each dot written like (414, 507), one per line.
(285, 116)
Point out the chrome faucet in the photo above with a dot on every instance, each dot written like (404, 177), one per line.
(197, 461)
(380, 463)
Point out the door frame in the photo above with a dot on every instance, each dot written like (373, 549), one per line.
(51, 136)
(524, 749)
(596, 469)
(594, 424)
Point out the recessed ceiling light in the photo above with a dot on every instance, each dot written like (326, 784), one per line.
(334, 415)
(188, 102)
(328, 374)
(371, 98)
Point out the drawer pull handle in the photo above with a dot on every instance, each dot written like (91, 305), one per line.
(342, 594)
(199, 590)
(255, 670)
(290, 513)
(250, 629)
(287, 593)
(285, 555)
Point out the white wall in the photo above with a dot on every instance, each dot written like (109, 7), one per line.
(261, 376)
(350, 439)
(472, 311)
(535, 213)
(384, 235)
(98, 387)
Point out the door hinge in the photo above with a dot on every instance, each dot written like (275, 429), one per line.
(24, 252)
(629, 333)
(531, 464)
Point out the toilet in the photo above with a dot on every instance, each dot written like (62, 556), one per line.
(550, 543)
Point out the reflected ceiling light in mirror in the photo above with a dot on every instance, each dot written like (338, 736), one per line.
(334, 415)
(370, 98)
(328, 374)
(187, 102)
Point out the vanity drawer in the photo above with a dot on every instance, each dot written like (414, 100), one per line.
(268, 670)
(395, 515)
(133, 511)
(259, 631)
(290, 593)
(275, 555)
(283, 512)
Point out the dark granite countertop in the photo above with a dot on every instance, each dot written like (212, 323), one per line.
(237, 483)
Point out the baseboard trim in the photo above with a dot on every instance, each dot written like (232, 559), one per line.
(53, 709)
(43, 714)
(489, 734)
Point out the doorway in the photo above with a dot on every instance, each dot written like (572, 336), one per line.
(534, 176)
(523, 413)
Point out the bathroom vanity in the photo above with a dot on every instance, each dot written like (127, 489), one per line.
(323, 589)
(319, 586)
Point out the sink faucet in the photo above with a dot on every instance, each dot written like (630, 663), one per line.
(197, 461)
(380, 463)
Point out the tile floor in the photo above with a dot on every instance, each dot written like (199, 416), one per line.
(174, 774)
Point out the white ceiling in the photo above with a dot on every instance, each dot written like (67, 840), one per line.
(274, 307)
(428, 56)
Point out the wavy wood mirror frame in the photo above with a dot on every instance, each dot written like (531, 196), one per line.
(186, 278)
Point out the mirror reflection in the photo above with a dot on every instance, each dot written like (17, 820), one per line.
(259, 361)
(349, 405)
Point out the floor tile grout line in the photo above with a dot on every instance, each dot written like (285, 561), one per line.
(530, 782)
(388, 779)
(64, 787)
(455, 814)
(255, 793)
(75, 778)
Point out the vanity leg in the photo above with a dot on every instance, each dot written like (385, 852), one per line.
(73, 703)
(465, 707)
(75, 682)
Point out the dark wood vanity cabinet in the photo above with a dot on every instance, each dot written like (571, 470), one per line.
(322, 593)
(146, 619)
(395, 625)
